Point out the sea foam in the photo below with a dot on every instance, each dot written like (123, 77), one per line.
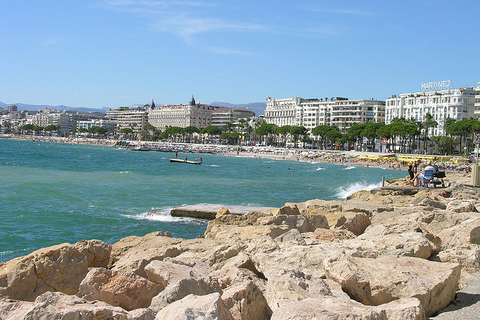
(344, 192)
(163, 215)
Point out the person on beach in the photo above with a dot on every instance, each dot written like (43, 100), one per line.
(411, 173)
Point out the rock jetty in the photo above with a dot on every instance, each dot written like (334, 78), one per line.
(382, 255)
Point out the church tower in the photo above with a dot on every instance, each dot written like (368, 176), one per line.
(192, 101)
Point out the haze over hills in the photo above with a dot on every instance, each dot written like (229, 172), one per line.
(257, 107)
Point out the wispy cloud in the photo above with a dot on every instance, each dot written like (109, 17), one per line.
(181, 18)
(344, 12)
(53, 41)
(231, 51)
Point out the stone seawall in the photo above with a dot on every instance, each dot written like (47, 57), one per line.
(377, 255)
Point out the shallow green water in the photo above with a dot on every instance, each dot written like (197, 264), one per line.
(54, 193)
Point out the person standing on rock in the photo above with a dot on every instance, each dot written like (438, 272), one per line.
(410, 172)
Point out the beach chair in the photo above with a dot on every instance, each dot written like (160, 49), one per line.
(428, 178)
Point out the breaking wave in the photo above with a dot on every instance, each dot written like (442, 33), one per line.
(344, 192)
(163, 215)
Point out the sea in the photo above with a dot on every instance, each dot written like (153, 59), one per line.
(52, 193)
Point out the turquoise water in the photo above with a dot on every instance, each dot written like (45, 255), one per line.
(55, 193)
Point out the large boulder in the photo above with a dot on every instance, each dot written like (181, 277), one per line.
(325, 309)
(194, 307)
(245, 301)
(382, 280)
(57, 268)
(178, 290)
(411, 244)
(134, 253)
(56, 305)
(118, 288)
(355, 222)
(303, 223)
(171, 271)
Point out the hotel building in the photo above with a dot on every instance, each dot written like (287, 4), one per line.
(477, 101)
(458, 104)
(194, 114)
(129, 117)
(311, 113)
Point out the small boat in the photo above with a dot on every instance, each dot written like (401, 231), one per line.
(185, 161)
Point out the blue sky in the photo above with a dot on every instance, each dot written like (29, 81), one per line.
(111, 53)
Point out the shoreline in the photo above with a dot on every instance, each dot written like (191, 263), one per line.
(460, 174)
(394, 233)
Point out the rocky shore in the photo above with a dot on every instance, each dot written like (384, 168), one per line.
(388, 255)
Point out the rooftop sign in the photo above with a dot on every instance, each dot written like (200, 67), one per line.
(447, 84)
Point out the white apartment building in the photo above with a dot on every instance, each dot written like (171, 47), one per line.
(47, 116)
(87, 124)
(133, 117)
(221, 115)
(344, 113)
(311, 113)
(458, 104)
(477, 101)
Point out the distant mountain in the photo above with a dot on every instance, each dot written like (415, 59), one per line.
(34, 107)
(257, 107)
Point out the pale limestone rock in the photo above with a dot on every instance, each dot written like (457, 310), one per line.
(291, 237)
(309, 259)
(142, 314)
(461, 206)
(411, 244)
(327, 308)
(404, 309)
(469, 258)
(56, 305)
(194, 307)
(57, 268)
(97, 252)
(118, 288)
(170, 271)
(245, 301)
(356, 222)
(423, 201)
(367, 207)
(287, 209)
(294, 285)
(222, 212)
(462, 235)
(382, 280)
(134, 253)
(180, 289)
(227, 232)
(321, 234)
(15, 309)
(303, 223)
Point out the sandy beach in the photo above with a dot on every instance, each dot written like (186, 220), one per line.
(455, 173)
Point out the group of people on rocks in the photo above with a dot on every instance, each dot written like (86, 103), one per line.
(417, 171)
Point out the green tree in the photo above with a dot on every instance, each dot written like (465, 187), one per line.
(265, 130)
(321, 131)
(298, 131)
(283, 132)
(426, 125)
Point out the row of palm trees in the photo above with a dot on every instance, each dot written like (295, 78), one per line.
(401, 135)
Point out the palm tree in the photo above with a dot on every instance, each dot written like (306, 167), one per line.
(426, 125)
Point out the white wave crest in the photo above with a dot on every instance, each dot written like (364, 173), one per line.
(349, 168)
(319, 169)
(163, 215)
(344, 192)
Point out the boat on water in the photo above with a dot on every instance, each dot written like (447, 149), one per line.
(186, 161)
